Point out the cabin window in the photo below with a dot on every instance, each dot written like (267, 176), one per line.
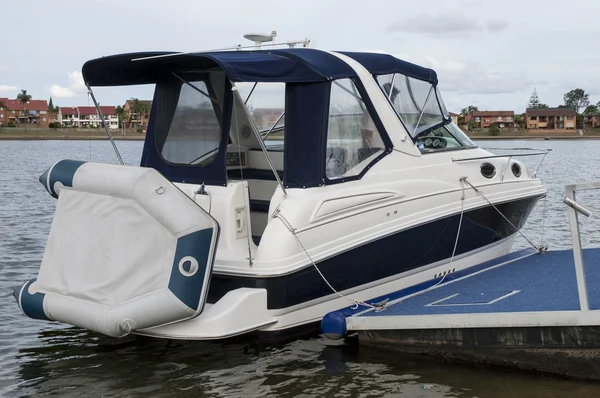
(353, 140)
(265, 103)
(417, 102)
(194, 135)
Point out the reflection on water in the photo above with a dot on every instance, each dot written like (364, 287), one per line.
(41, 358)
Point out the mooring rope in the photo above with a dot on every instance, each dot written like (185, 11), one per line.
(540, 249)
(462, 212)
(356, 302)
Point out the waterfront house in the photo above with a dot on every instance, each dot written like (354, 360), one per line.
(484, 119)
(591, 120)
(454, 117)
(87, 116)
(34, 112)
(551, 118)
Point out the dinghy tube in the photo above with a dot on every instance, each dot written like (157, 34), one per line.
(127, 250)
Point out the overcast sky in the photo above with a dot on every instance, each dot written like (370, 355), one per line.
(486, 52)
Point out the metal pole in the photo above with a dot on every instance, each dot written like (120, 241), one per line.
(577, 252)
(110, 137)
(263, 147)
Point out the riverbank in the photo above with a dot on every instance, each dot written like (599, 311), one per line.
(98, 135)
(534, 137)
(67, 134)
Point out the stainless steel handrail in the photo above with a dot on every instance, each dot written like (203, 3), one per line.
(573, 210)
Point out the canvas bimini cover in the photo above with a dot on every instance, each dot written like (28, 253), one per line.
(127, 250)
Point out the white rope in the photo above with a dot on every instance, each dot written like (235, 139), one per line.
(540, 249)
(287, 224)
(462, 212)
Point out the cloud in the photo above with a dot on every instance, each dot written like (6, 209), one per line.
(4, 88)
(75, 88)
(447, 21)
(496, 24)
(469, 78)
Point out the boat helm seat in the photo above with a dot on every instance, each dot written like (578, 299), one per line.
(336, 161)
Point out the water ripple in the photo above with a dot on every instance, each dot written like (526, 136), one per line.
(46, 358)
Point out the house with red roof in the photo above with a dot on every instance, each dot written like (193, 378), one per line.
(34, 112)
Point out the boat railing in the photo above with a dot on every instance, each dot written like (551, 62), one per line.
(573, 211)
(532, 152)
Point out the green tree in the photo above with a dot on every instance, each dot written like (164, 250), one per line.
(576, 99)
(51, 107)
(139, 108)
(121, 114)
(469, 109)
(534, 101)
(590, 110)
(493, 129)
(24, 98)
(520, 120)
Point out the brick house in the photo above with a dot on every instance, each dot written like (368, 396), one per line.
(454, 117)
(551, 118)
(34, 112)
(136, 120)
(591, 121)
(484, 119)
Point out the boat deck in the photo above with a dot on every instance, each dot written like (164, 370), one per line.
(520, 289)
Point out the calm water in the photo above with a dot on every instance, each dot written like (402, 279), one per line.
(39, 358)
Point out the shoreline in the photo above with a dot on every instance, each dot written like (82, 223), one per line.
(66, 137)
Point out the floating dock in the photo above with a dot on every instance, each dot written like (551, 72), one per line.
(526, 310)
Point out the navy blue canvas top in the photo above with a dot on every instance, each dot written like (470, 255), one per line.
(381, 64)
(285, 66)
(301, 65)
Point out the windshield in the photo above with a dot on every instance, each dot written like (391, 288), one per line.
(421, 109)
(445, 137)
(416, 102)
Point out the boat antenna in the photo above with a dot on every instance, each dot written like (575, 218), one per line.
(110, 137)
(260, 40)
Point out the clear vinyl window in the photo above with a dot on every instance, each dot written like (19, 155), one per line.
(419, 106)
(195, 133)
(353, 140)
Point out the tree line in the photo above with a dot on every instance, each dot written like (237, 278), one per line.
(576, 99)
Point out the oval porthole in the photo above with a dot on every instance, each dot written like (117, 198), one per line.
(246, 132)
(488, 170)
(516, 169)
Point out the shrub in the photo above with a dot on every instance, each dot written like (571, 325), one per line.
(494, 130)
(11, 124)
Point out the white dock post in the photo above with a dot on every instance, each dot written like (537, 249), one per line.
(572, 209)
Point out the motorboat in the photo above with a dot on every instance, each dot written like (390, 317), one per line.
(275, 186)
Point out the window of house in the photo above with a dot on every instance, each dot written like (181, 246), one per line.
(43, 119)
(569, 117)
(532, 117)
(477, 119)
(42, 112)
(194, 134)
(1, 115)
(353, 140)
(543, 118)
